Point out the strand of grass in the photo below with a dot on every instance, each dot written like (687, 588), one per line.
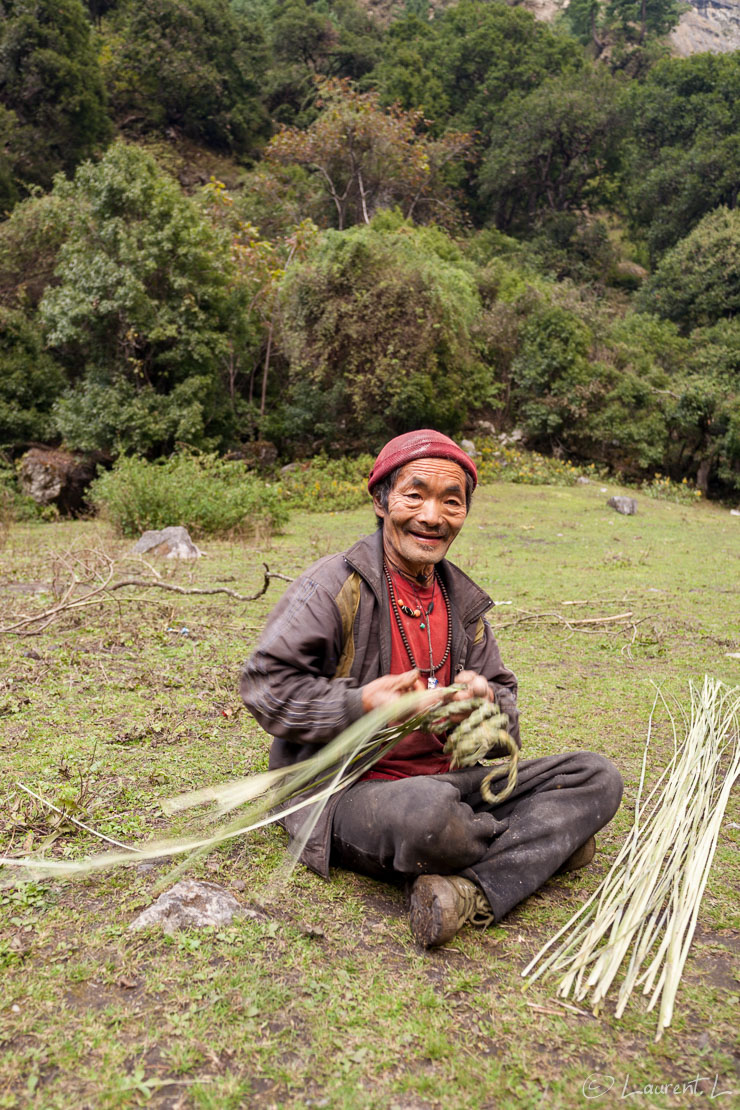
(668, 858)
(286, 784)
(80, 824)
(687, 917)
(601, 907)
(587, 910)
(634, 866)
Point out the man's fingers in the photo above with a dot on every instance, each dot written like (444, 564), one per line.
(476, 686)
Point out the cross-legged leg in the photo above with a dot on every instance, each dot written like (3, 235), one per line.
(439, 824)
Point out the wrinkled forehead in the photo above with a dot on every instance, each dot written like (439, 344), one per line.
(430, 473)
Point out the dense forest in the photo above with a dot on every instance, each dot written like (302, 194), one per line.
(225, 223)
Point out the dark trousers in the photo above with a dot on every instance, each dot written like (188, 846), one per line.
(439, 824)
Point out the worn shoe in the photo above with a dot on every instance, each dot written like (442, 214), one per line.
(442, 904)
(580, 858)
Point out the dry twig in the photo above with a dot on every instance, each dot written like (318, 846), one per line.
(99, 593)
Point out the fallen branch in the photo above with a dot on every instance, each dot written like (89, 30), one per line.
(574, 625)
(95, 595)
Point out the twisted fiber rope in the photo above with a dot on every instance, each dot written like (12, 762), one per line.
(474, 737)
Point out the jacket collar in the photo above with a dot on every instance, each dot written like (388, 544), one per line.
(468, 599)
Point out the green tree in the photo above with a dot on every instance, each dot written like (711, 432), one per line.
(683, 156)
(460, 68)
(551, 148)
(30, 382)
(367, 157)
(190, 65)
(308, 39)
(627, 35)
(51, 82)
(146, 310)
(473, 55)
(378, 326)
(697, 282)
(638, 19)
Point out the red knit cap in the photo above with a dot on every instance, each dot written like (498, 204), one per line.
(424, 444)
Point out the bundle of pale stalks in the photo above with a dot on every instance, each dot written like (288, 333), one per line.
(645, 911)
(273, 795)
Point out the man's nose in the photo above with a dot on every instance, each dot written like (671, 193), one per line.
(430, 512)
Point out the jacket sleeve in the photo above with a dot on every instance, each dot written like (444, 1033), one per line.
(287, 682)
(484, 657)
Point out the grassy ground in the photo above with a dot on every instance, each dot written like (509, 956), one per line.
(322, 999)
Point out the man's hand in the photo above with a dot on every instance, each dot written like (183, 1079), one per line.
(388, 687)
(476, 686)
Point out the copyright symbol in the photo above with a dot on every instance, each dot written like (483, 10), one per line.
(595, 1085)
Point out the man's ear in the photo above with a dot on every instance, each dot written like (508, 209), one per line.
(379, 510)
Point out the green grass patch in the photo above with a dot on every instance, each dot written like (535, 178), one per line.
(323, 999)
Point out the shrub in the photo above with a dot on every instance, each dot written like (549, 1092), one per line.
(697, 282)
(207, 495)
(496, 462)
(377, 324)
(30, 381)
(663, 488)
(15, 505)
(328, 485)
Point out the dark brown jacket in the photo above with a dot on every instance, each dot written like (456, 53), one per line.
(329, 634)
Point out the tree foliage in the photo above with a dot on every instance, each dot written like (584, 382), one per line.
(51, 91)
(697, 282)
(682, 158)
(378, 326)
(551, 147)
(367, 157)
(190, 65)
(462, 66)
(145, 305)
(30, 382)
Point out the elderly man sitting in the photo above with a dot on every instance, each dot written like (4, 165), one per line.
(388, 616)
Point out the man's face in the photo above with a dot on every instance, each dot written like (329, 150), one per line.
(426, 510)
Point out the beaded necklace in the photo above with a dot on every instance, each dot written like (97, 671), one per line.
(431, 670)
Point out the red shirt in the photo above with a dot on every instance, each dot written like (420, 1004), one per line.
(419, 753)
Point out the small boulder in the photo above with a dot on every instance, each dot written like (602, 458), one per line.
(468, 447)
(625, 505)
(172, 543)
(514, 437)
(54, 477)
(582, 480)
(190, 904)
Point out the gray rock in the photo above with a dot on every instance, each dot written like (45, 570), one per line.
(172, 543)
(515, 436)
(190, 904)
(485, 428)
(468, 447)
(625, 505)
(289, 468)
(582, 480)
(54, 477)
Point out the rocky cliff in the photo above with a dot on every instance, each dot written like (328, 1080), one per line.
(712, 25)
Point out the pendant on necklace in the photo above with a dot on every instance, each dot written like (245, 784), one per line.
(422, 625)
(432, 682)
